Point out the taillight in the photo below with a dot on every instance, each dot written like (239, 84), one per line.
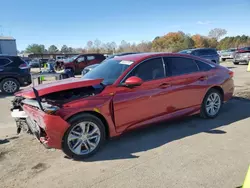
(231, 73)
(23, 66)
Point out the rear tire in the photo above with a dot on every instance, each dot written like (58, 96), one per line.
(223, 59)
(9, 86)
(80, 131)
(211, 104)
(236, 63)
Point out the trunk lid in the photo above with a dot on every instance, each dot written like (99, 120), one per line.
(56, 86)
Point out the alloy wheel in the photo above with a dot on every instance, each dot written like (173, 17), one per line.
(83, 138)
(213, 104)
(9, 86)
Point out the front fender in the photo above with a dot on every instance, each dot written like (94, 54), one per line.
(101, 105)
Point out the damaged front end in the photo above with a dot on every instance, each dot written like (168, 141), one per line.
(38, 116)
(26, 121)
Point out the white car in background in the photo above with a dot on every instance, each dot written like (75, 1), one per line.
(228, 54)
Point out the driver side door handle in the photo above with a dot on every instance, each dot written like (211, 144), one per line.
(164, 85)
(203, 78)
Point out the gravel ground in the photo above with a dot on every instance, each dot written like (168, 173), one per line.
(189, 153)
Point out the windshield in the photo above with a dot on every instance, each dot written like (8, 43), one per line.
(109, 70)
(70, 59)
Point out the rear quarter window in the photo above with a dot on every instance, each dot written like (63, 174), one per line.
(203, 66)
(89, 58)
(212, 52)
(4, 61)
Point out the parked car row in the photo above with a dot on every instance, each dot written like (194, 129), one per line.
(241, 55)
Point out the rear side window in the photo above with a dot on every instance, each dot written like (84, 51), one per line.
(205, 52)
(89, 58)
(179, 65)
(203, 66)
(4, 61)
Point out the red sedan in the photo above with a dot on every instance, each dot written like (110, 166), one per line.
(77, 115)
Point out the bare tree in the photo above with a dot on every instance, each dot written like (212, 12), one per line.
(89, 45)
(97, 45)
(217, 33)
(114, 46)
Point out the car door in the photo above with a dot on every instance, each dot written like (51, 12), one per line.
(91, 59)
(133, 106)
(188, 83)
(81, 63)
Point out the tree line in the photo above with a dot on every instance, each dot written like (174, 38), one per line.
(171, 42)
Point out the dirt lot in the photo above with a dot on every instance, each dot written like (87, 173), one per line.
(190, 153)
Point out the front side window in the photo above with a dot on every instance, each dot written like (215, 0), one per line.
(81, 59)
(109, 71)
(70, 59)
(149, 70)
(179, 65)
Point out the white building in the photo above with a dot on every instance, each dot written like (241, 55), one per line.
(8, 46)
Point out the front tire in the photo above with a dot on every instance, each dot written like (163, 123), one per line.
(236, 63)
(84, 137)
(9, 86)
(211, 104)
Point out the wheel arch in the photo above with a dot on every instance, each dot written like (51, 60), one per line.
(13, 77)
(218, 88)
(98, 115)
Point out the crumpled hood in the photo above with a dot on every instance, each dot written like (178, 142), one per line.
(60, 85)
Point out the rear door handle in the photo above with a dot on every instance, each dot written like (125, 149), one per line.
(165, 85)
(203, 78)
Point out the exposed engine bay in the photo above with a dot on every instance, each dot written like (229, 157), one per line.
(62, 97)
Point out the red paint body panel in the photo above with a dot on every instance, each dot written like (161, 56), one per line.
(91, 104)
(126, 108)
(59, 85)
(54, 126)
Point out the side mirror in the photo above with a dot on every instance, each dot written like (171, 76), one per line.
(133, 81)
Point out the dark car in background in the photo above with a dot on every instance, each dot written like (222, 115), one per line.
(206, 53)
(244, 49)
(77, 63)
(34, 63)
(14, 72)
(89, 68)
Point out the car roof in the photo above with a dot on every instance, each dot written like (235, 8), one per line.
(193, 49)
(143, 56)
(7, 56)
